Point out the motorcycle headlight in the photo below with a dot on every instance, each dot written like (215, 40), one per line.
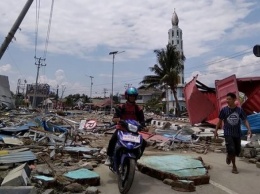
(132, 128)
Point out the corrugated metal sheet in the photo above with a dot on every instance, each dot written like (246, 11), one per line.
(252, 104)
(254, 121)
(223, 87)
(212, 103)
(213, 99)
(198, 105)
(17, 157)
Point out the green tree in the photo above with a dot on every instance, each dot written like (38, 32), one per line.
(154, 105)
(166, 71)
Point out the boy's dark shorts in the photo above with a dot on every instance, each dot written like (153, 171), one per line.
(233, 145)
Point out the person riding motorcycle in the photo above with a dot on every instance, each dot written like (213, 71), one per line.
(129, 110)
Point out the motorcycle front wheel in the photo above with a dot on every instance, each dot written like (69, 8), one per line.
(126, 175)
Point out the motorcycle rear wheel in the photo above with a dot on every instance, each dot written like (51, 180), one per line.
(126, 175)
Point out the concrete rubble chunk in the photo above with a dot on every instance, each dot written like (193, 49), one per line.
(174, 167)
(18, 190)
(258, 164)
(252, 160)
(18, 176)
(48, 191)
(74, 187)
(3, 168)
(183, 185)
(92, 190)
(257, 158)
(45, 181)
(249, 152)
(168, 181)
(84, 176)
(43, 169)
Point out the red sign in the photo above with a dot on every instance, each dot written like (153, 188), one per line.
(91, 124)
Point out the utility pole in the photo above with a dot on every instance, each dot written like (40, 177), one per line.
(14, 28)
(39, 64)
(63, 88)
(105, 91)
(57, 96)
(91, 84)
(113, 63)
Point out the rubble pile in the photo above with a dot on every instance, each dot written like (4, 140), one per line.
(50, 154)
(251, 151)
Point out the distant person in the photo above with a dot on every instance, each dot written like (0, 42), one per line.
(129, 110)
(232, 115)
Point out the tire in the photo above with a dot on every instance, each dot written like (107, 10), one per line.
(126, 175)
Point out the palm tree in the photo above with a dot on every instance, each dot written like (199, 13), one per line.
(169, 65)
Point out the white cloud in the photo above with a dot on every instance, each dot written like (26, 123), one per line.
(248, 66)
(78, 27)
(5, 68)
(81, 28)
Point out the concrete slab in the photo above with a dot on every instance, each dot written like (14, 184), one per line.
(84, 176)
(175, 167)
(23, 166)
(18, 178)
(20, 190)
(46, 182)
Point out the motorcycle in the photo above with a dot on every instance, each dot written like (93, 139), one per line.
(126, 153)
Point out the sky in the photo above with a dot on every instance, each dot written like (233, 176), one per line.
(218, 39)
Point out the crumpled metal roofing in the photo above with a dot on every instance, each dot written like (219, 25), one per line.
(17, 157)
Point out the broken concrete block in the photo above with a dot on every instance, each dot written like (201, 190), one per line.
(84, 176)
(74, 188)
(258, 164)
(48, 191)
(183, 185)
(45, 181)
(257, 158)
(3, 168)
(252, 160)
(43, 169)
(168, 181)
(87, 166)
(18, 178)
(87, 156)
(92, 190)
(174, 167)
(249, 153)
(23, 166)
(20, 190)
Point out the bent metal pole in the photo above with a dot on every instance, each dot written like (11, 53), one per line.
(14, 28)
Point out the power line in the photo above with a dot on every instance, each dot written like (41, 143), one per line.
(220, 71)
(48, 31)
(223, 59)
(38, 5)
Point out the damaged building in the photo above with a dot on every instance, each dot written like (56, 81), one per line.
(6, 100)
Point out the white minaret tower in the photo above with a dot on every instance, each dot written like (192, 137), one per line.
(175, 38)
